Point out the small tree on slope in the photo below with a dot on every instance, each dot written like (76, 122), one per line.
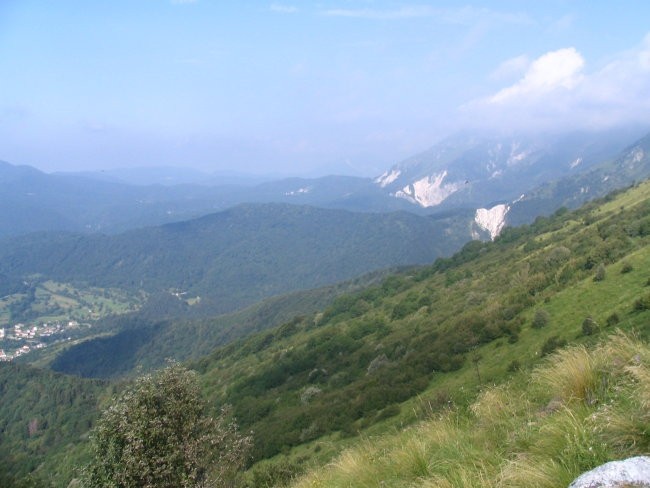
(157, 435)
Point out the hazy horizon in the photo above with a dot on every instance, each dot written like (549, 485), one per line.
(348, 87)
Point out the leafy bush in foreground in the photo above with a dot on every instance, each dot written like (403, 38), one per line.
(156, 435)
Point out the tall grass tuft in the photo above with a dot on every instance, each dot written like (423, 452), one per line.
(572, 374)
(532, 473)
(625, 422)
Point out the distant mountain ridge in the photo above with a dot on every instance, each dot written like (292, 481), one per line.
(631, 165)
(474, 171)
(465, 171)
(32, 201)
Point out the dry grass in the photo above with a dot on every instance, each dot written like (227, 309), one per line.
(571, 374)
(529, 472)
(508, 438)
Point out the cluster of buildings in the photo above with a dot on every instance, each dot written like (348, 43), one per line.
(21, 339)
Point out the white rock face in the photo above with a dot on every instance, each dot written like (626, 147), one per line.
(299, 191)
(637, 155)
(516, 156)
(493, 219)
(428, 191)
(387, 178)
(633, 471)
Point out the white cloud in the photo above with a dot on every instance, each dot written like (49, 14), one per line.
(556, 69)
(556, 90)
(463, 16)
(283, 9)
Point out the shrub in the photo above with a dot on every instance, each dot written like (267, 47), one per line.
(557, 256)
(513, 338)
(551, 344)
(600, 273)
(155, 435)
(589, 326)
(626, 268)
(541, 319)
(309, 393)
(613, 319)
(272, 474)
(642, 303)
(515, 365)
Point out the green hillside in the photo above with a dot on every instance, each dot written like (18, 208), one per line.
(44, 421)
(451, 344)
(143, 343)
(581, 408)
(441, 334)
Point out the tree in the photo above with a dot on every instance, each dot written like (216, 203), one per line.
(156, 434)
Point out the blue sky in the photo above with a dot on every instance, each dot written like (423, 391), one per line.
(305, 87)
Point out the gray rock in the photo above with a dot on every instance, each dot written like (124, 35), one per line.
(632, 472)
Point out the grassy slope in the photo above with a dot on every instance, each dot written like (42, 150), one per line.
(582, 407)
(577, 409)
(429, 333)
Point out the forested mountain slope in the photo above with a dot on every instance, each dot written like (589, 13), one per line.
(237, 257)
(44, 417)
(32, 201)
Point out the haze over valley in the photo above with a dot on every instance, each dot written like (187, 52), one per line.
(360, 243)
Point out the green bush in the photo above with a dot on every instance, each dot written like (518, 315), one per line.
(541, 319)
(589, 326)
(600, 273)
(515, 365)
(626, 268)
(156, 435)
(273, 474)
(643, 303)
(551, 344)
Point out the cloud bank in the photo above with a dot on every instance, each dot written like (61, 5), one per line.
(557, 90)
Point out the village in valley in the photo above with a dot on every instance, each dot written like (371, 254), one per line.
(21, 339)
(47, 313)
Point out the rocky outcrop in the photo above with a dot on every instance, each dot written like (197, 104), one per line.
(632, 472)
